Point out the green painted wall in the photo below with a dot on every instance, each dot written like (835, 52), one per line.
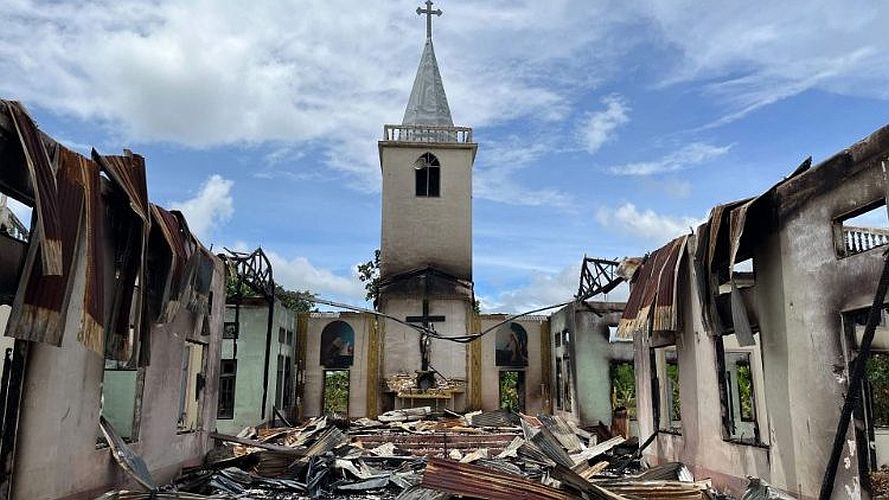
(251, 362)
(119, 399)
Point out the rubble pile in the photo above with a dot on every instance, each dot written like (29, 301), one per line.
(412, 454)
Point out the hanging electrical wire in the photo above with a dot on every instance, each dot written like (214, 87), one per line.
(462, 339)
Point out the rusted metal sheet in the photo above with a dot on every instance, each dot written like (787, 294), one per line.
(480, 482)
(652, 305)
(552, 448)
(562, 432)
(128, 460)
(440, 444)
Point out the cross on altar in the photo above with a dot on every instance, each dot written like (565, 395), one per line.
(429, 13)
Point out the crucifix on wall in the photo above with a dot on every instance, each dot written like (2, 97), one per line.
(428, 321)
(425, 379)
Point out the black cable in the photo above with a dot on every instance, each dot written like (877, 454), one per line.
(461, 339)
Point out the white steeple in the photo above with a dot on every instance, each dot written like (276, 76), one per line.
(428, 104)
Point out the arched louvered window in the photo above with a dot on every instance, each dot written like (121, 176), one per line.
(428, 175)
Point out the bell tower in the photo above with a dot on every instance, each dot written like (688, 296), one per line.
(426, 247)
(426, 164)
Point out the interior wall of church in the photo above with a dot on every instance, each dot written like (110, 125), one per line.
(535, 394)
(427, 231)
(358, 376)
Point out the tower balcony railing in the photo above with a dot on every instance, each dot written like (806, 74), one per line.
(427, 133)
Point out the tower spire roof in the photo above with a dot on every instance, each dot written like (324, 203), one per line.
(428, 104)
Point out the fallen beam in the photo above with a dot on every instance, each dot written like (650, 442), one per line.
(258, 444)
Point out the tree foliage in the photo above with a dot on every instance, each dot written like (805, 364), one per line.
(745, 391)
(673, 376)
(877, 372)
(509, 391)
(369, 274)
(336, 392)
(623, 387)
(295, 300)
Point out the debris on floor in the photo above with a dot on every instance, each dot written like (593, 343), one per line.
(415, 454)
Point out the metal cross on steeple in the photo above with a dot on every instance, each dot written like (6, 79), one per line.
(429, 13)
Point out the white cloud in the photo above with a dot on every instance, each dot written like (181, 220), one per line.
(688, 156)
(544, 289)
(495, 171)
(753, 54)
(599, 127)
(203, 73)
(646, 224)
(212, 206)
(298, 273)
(677, 189)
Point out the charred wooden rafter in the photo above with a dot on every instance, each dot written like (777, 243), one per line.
(253, 270)
(597, 276)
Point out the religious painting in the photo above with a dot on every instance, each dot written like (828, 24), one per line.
(337, 345)
(512, 345)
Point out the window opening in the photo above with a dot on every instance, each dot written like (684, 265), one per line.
(335, 395)
(191, 385)
(741, 379)
(567, 385)
(121, 389)
(427, 175)
(279, 382)
(512, 390)
(872, 415)
(228, 372)
(287, 397)
(559, 383)
(230, 330)
(623, 387)
(862, 230)
(669, 399)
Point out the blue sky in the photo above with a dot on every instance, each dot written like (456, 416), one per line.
(603, 128)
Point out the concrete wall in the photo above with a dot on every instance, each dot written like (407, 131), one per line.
(700, 443)
(57, 454)
(314, 377)
(251, 344)
(801, 288)
(427, 231)
(589, 353)
(402, 352)
(535, 395)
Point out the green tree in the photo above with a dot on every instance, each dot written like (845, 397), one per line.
(509, 391)
(295, 300)
(336, 392)
(623, 387)
(877, 372)
(369, 274)
(673, 376)
(745, 391)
